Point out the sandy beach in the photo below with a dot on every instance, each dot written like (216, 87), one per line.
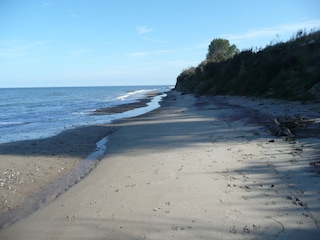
(195, 168)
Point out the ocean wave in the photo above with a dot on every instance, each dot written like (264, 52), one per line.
(9, 124)
(43, 113)
(86, 112)
(132, 93)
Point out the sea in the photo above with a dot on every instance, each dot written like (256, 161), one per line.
(35, 113)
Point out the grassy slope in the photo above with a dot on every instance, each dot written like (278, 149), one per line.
(289, 70)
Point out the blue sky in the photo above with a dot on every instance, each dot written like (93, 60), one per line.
(45, 43)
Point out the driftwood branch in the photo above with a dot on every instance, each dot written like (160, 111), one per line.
(282, 130)
(284, 125)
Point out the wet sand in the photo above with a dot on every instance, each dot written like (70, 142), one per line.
(196, 168)
(127, 107)
(32, 171)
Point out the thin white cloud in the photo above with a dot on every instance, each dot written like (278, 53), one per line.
(274, 31)
(142, 54)
(143, 30)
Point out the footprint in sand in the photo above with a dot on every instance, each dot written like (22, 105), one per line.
(296, 201)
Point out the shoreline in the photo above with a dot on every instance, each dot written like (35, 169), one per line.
(58, 162)
(191, 157)
(67, 109)
(143, 102)
(37, 171)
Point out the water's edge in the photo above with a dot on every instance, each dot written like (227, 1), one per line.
(44, 196)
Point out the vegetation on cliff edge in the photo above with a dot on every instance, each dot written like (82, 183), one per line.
(289, 70)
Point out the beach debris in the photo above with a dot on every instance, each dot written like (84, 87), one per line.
(284, 125)
(9, 178)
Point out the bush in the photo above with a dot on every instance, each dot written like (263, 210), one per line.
(284, 70)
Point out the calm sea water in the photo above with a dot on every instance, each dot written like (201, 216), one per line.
(32, 113)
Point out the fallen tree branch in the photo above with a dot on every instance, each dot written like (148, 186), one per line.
(284, 125)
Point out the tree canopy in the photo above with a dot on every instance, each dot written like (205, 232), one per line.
(220, 50)
(258, 73)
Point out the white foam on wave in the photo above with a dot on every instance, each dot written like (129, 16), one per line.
(11, 123)
(130, 94)
(86, 112)
(153, 104)
(29, 121)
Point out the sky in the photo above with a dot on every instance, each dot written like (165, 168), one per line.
(53, 43)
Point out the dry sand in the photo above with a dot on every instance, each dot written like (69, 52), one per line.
(30, 168)
(196, 168)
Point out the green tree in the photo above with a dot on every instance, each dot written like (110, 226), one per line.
(220, 50)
